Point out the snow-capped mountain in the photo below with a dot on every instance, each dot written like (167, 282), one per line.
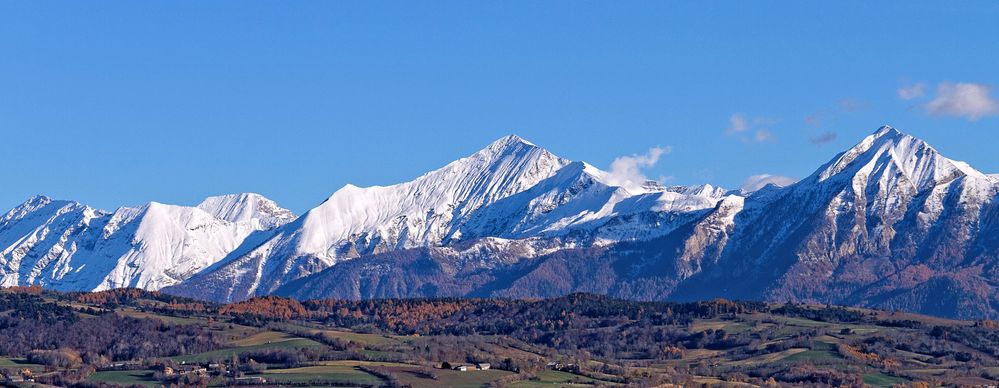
(69, 246)
(511, 189)
(578, 203)
(889, 223)
(247, 208)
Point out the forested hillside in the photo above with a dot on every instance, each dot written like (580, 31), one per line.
(135, 337)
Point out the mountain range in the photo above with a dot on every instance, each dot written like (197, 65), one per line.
(889, 223)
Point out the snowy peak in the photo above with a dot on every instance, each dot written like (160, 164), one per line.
(580, 203)
(888, 130)
(505, 143)
(35, 201)
(356, 221)
(255, 209)
(20, 211)
(425, 210)
(890, 151)
(704, 190)
(38, 211)
(505, 167)
(70, 246)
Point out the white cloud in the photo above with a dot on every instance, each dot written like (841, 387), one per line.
(756, 182)
(737, 123)
(967, 100)
(911, 92)
(764, 135)
(626, 171)
(827, 137)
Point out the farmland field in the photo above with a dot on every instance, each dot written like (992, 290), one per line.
(321, 374)
(551, 378)
(288, 343)
(131, 377)
(19, 363)
(580, 340)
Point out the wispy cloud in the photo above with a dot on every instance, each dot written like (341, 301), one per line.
(824, 138)
(746, 129)
(849, 105)
(967, 100)
(756, 182)
(737, 123)
(912, 92)
(843, 107)
(626, 171)
(763, 135)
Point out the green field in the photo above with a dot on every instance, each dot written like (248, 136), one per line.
(347, 371)
(262, 338)
(127, 377)
(164, 318)
(881, 380)
(18, 364)
(552, 378)
(342, 374)
(361, 363)
(820, 351)
(445, 377)
(364, 339)
(771, 357)
(222, 354)
(359, 338)
(704, 348)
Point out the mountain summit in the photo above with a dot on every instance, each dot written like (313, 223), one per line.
(907, 159)
(250, 208)
(888, 223)
(511, 189)
(69, 246)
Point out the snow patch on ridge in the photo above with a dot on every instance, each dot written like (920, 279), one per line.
(255, 209)
(69, 246)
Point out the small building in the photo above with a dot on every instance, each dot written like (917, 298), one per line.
(192, 369)
(482, 366)
(251, 380)
(168, 371)
(565, 367)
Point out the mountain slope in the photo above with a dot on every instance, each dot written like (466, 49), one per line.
(871, 227)
(891, 197)
(69, 246)
(512, 190)
(250, 208)
(890, 223)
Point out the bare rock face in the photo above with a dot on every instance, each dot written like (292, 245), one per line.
(889, 223)
(69, 246)
(511, 197)
(879, 225)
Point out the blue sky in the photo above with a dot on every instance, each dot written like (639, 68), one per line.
(121, 103)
